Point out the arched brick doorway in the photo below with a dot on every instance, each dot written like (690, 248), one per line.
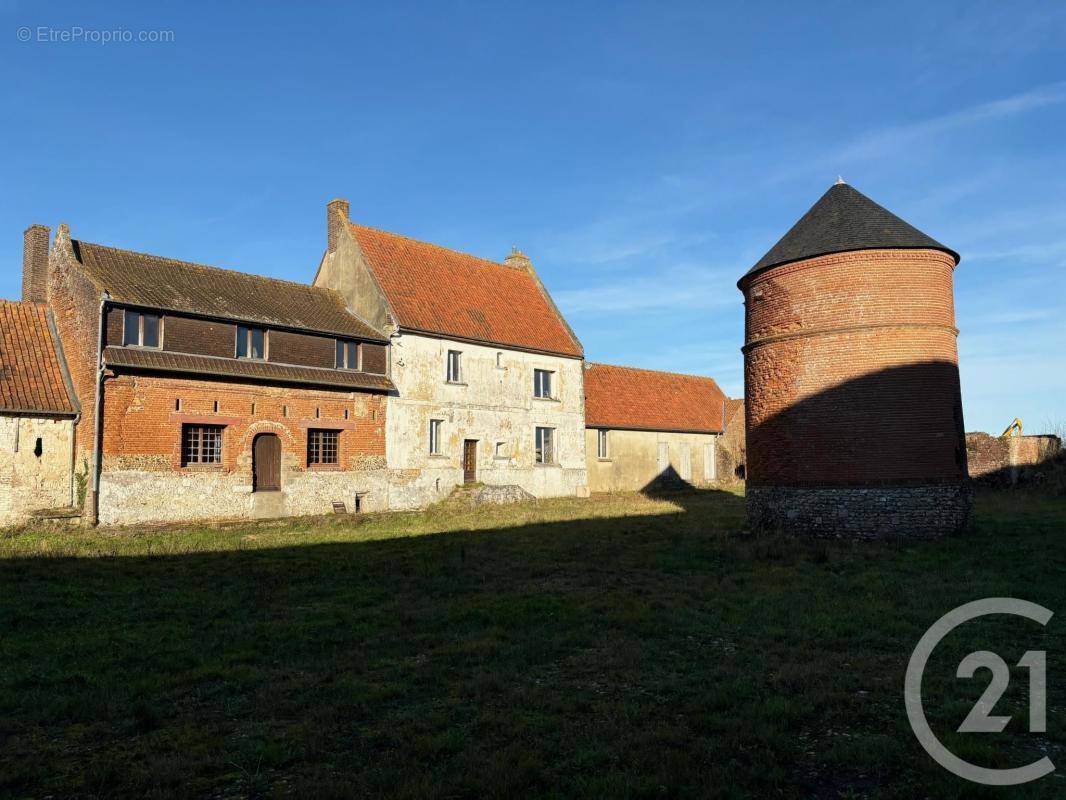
(266, 463)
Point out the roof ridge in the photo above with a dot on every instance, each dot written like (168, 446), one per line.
(198, 265)
(655, 371)
(430, 244)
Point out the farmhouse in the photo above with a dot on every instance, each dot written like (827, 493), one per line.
(488, 373)
(211, 393)
(648, 430)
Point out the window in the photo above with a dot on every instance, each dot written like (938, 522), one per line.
(455, 366)
(501, 450)
(601, 444)
(499, 360)
(434, 436)
(140, 329)
(545, 445)
(349, 355)
(251, 342)
(542, 383)
(322, 447)
(201, 444)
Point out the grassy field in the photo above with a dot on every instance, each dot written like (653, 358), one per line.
(620, 646)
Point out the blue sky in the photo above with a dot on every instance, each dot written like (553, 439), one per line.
(643, 154)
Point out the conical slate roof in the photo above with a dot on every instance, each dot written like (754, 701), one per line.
(845, 219)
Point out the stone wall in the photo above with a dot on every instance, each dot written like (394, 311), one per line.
(34, 466)
(998, 459)
(639, 460)
(494, 405)
(924, 512)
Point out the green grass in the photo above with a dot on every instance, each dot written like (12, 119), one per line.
(615, 647)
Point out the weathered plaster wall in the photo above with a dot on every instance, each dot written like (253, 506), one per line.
(635, 460)
(494, 404)
(29, 481)
(143, 479)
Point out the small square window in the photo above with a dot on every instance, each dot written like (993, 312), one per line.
(545, 445)
(434, 436)
(455, 366)
(140, 329)
(201, 444)
(501, 450)
(322, 446)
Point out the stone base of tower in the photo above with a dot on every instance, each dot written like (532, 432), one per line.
(923, 512)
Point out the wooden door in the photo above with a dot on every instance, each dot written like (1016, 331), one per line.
(266, 463)
(470, 461)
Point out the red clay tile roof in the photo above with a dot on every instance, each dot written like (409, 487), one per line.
(163, 361)
(642, 399)
(733, 406)
(437, 290)
(32, 377)
(141, 279)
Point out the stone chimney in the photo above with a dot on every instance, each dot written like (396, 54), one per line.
(35, 263)
(518, 260)
(336, 218)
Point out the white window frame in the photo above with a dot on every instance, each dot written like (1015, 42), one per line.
(542, 443)
(540, 377)
(248, 330)
(456, 375)
(603, 450)
(436, 426)
(346, 347)
(126, 312)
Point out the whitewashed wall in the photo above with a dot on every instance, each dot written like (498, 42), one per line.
(493, 404)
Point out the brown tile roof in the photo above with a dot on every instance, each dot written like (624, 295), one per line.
(733, 406)
(641, 399)
(141, 279)
(32, 376)
(163, 361)
(437, 290)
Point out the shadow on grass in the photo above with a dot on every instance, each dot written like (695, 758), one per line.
(631, 655)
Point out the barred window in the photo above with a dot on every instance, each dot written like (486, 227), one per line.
(201, 444)
(322, 446)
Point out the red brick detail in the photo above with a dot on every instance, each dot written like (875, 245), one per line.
(31, 375)
(35, 264)
(142, 430)
(642, 399)
(851, 372)
(442, 291)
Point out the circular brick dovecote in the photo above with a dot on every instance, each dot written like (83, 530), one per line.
(851, 378)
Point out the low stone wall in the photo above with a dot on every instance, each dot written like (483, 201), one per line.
(925, 512)
(1004, 460)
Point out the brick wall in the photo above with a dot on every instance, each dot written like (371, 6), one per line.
(851, 373)
(998, 459)
(143, 416)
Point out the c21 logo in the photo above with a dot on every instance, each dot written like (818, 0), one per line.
(980, 719)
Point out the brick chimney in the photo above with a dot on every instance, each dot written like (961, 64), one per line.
(35, 263)
(518, 260)
(336, 217)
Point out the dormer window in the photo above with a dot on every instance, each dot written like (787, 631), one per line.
(251, 342)
(140, 329)
(349, 355)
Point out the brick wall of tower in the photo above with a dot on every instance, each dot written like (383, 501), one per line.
(851, 372)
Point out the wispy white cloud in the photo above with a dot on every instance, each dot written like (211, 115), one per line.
(682, 287)
(880, 144)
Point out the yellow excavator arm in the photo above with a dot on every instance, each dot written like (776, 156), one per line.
(1014, 429)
